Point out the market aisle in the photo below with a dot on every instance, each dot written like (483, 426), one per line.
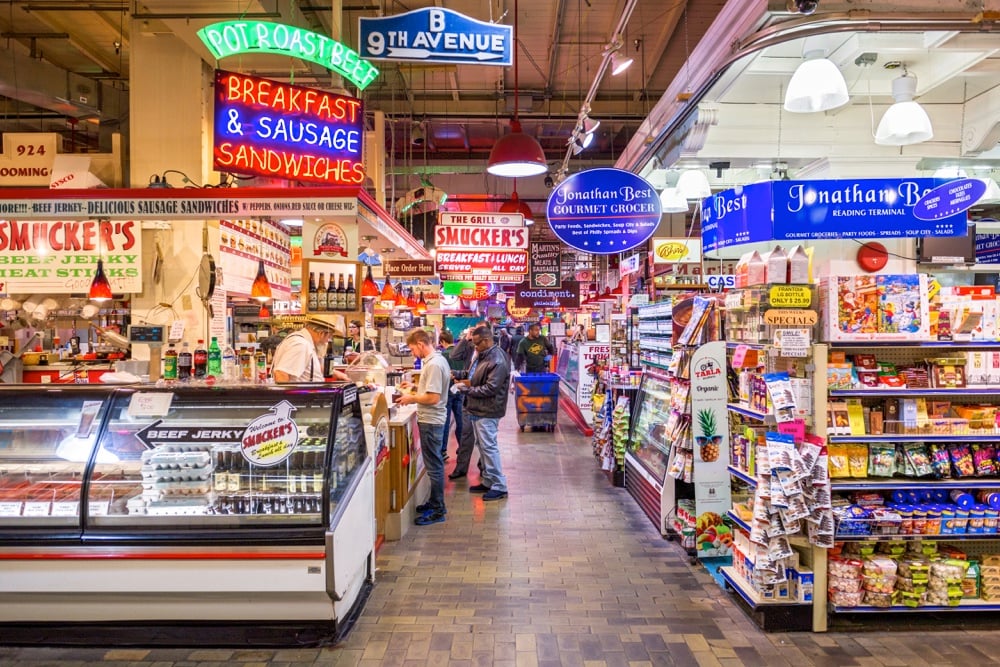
(566, 571)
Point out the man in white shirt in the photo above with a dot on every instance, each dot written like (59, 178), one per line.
(297, 359)
(431, 400)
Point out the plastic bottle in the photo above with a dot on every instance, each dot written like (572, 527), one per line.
(230, 364)
(184, 362)
(246, 364)
(214, 358)
(261, 362)
(200, 359)
(170, 363)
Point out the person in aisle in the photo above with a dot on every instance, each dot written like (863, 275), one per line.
(431, 399)
(456, 356)
(486, 385)
(535, 350)
(467, 441)
(296, 359)
(504, 341)
(353, 344)
(515, 342)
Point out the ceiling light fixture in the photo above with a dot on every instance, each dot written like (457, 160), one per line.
(693, 184)
(261, 288)
(905, 122)
(671, 201)
(817, 84)
(100, 288)
(619, 61)
(516, 153)
(515, 205)
(417, 136)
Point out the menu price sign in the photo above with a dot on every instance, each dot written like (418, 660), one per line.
(506, 266)
(546, 264)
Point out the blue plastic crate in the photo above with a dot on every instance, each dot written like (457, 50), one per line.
(537, 393)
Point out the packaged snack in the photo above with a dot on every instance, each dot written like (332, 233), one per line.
(878, 599)
(918, 459)
(911, 585)
(838, 461)
(798, 266)
(910, 599)
(857, 459)
(845, 568)
(961, 460)
(917, 569)
(879, 566)
(984, 459)
(881, 459)
(940, 461)
(840, 598)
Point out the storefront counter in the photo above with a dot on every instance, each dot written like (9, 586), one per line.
(406, 467)
(66, 373)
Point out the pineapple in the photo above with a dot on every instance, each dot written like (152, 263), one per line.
(708, 443)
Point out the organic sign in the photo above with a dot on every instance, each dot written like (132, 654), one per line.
(230, 38)
(275, 129)
(436, 35)
(546, 264)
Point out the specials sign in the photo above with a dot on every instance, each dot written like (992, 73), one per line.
(275, 129)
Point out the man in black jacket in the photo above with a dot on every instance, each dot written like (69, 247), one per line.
(486, 386)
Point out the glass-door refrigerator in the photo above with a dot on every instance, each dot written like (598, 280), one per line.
(646, 459)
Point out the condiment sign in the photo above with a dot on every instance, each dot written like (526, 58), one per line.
(546, 264)
(436, 35)
(271, 438)
(275, 129)
(790, 296)
(568, 296)
(604, 211)
(789, 317)
(230, 38)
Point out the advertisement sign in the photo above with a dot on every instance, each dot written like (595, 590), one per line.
(230, 38)
(737, 216)
(275, 129)
(60, 257)
(271, 438)
(451, 237)
(546, 264)
(330, 241)
(629, 265)
(498, 266)
(676, 251)
(27, 159)
(242, 243)
(950, 199)
(479, 219)
(410, 268)
(436, 35)
(567, 296)
(710, 426)
(987, 248)
(604, 211)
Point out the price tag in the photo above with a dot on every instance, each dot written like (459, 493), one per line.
(36, 508)
(66, 508)
(150, 404)
(739, 355)
(176, 331)
(11, 508)
(99, 508)
(790, 296)
(792, 342)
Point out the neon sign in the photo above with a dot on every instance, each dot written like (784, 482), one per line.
(275, 129)
(230, 38)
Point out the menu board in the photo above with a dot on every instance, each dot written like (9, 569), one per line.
(546, 264)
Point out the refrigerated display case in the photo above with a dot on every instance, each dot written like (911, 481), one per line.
(647, 458)
(184, 505)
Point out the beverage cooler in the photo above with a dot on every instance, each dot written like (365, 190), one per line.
(648, 455)
(150, 512)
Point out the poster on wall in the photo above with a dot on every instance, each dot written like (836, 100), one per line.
(60, 257)
(242, 243)
(710, 426)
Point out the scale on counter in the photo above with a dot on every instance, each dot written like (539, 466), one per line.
(154, 337)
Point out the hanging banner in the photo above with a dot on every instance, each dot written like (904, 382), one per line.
(710, 426)
(546, 264)
(60, 257)
(436, 35)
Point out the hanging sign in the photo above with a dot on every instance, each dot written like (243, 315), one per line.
(410, 268)
(275, 129)
(567, 296)
(479, 219)
(451, 237)
(987, 248)
(271, 438)
(436, 35)
(676, 250)
(629, 265)
(546, 264)
(737, 216)
(498, 266)
(710, 426)
(231, 38)
(604, 211)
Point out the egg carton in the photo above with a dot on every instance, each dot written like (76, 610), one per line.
(159, 490)
(150, 474)
(136, 505)
(160, 460)
(178, 508)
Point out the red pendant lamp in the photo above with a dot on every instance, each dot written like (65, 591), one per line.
(411, 300)
(369, 288)
(100, 288)
(515, 205)
(261, 288)
(421, 305)
(400, 301)
(516, 154)
(388, 294)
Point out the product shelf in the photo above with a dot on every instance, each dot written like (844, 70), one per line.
(740, 523)
(955, 345)
(750, 346)
(749, 595)
(937, 537)
(894, 393)
(742, 476)
(746, 412)
(893, 437)
(966, 605)
(893, 484)
(653, 364)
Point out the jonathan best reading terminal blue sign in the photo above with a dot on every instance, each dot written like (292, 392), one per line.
(604, 211)
(837, 209)
(436, 35)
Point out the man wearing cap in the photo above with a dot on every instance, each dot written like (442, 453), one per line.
(296, 358)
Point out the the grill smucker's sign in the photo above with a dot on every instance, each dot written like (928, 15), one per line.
(275, 129)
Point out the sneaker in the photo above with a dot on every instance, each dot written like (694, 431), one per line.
(436, 516)
(424, 508)
(478, 488)
(494, 495)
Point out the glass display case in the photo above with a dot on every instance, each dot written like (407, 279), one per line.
(649, 445)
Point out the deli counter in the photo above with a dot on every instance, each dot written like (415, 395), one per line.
(225, 506)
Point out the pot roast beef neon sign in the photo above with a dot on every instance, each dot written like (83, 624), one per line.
(230, 38)
(271, 128)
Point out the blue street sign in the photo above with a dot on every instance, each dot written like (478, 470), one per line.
(436, 35)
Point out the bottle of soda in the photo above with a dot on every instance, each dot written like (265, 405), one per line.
(260, 360)
(170, 363)
(184, 362)
(215, 358)
(200, 359)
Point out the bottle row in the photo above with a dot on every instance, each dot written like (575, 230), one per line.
(247, 365)
(323, 297)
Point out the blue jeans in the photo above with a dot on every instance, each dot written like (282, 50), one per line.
(454, 408)
(430, 447)
(485, 429)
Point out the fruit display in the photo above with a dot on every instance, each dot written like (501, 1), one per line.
(711, 534)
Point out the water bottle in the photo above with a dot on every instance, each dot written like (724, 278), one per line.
(230, 366)
(214, 358)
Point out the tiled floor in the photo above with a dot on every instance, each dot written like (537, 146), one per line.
(566, 571)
